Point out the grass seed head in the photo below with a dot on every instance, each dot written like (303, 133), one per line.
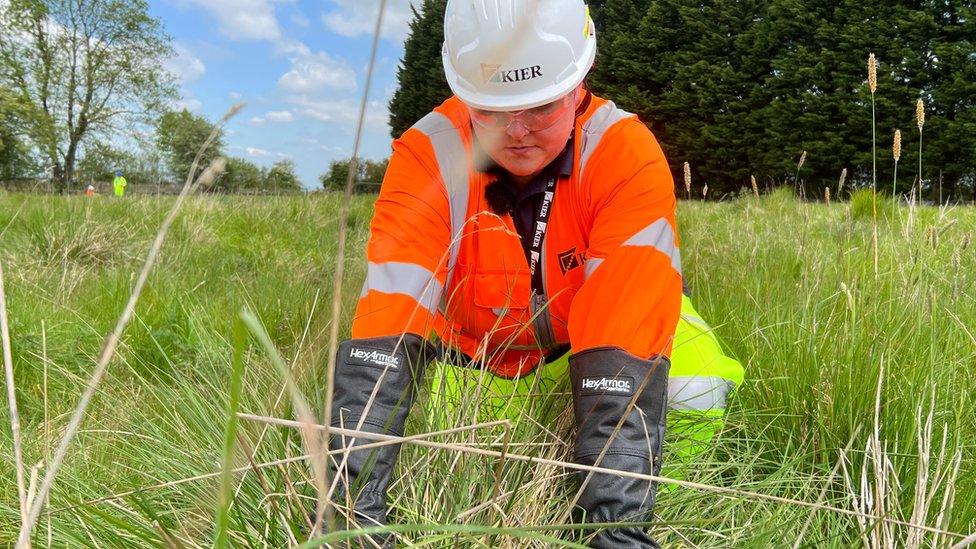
(705, 190)
(896, 146)
(872, 73)
(840, 183)
(688, 177)
(920, 113)
(755, 187)
(803, 158)
(214, 170)
(827, 195)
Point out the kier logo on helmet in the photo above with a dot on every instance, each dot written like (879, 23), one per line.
(495, 74)
(374, 357)
(609, 385)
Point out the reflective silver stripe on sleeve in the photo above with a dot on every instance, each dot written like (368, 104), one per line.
(452, 162)
(591, 266)
(597, 125)
(404, 278)
(660, 236)
(698, 393)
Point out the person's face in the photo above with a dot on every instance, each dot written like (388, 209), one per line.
(525, 142)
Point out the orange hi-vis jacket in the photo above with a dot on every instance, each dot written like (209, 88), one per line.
(440, 263)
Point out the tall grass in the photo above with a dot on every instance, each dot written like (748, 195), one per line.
(836, 358)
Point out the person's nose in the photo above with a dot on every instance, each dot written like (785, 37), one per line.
(516, 129)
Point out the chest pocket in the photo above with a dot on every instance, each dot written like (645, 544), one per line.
(501, 279)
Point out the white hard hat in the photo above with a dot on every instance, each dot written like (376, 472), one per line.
(507, 55)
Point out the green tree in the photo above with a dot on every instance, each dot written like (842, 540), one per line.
(15, 157)
(421, 84)
(179, 135)
(281, 177)
(82, 67)
(101, 160)
(240, 174)
(374, 171)
(369, 175)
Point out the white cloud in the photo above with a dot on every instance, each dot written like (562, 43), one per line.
(343, 111)
(261, 153)
(314, 72)
(356, 17)
(186, 66)
(271, 116)
(190, 104)
(279, 116)
(243, 19)
(233, 96)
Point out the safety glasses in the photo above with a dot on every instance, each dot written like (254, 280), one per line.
(534, 119)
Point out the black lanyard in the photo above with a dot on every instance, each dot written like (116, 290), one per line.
(539, 229)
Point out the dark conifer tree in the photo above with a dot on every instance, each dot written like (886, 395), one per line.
(420, 77)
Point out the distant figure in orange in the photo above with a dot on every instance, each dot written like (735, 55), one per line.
(90, 191)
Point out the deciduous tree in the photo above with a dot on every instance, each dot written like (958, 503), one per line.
(82, 67)
(179, 135)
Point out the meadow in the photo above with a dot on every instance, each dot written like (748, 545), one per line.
(859, 391)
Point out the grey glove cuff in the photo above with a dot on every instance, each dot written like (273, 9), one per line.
(395, 364)
(605, 381)
(360, 364)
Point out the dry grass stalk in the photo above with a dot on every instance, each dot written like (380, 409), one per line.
(873, 85)
(596, 469)
(280, 462)
(755, 187)
(870, 496)
(827, 484)
(840, 182)
(322, 508)
(47, 420)
(281, 392)
(927, 482)
(705, 190)
(688, 179)
(8, 369)
(827, 195)
(112, 341)
(920, 121)
(796, 179)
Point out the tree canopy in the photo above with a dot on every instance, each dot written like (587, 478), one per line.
(81, 67)
(179, 135)
(369, 175)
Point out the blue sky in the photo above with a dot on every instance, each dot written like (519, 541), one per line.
(300, 65)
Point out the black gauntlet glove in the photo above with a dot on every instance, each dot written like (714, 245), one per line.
(605, 381)
(359, 365)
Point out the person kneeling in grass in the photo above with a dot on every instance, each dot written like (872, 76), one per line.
(526, 228)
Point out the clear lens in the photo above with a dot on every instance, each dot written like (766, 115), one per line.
(534, 119)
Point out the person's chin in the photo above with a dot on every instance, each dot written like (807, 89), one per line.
(521, 166)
